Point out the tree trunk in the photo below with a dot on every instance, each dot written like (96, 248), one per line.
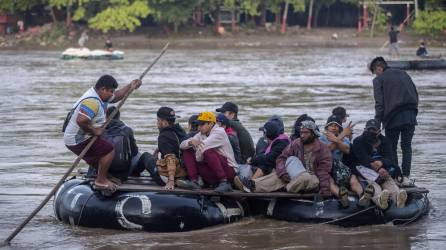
(277, 22)
(175, 27)
(310, 15)
(217, 20)
(68, 21)
(233, 20)
(53, 15)
(316, 16)
(263, 14)
(285, 15)
(328, 16)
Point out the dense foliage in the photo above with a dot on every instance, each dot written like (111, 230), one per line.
(106, 15)
(430, 22)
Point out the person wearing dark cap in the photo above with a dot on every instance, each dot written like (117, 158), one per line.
(372, 150)
(230, 110)
(262, 143)
(170, 136)
(85, 121)
(396, 107)
(297, 125)
(341, 112)
(223, 122)
(192, 126)
(263, 163)
(341, 176)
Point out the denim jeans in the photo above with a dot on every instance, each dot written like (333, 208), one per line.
(406, 131)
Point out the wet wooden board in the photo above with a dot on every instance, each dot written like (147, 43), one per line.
(128, 187)
(207, 192)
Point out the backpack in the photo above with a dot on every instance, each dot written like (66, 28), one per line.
(71, 112)
(121, 143)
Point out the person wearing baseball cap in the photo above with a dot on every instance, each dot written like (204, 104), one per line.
(209, 154)
(223, 122)
(373, 150)
(341, 176)
(170, 136)
(263, 163)
(396, 107)
(230, 110)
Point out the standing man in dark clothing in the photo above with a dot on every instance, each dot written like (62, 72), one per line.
(169, 139)
(393, 42)
(396, 107)
(246, 143)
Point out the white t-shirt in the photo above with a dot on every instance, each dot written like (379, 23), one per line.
(91, 106)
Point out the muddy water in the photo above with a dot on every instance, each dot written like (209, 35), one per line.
(37, 89)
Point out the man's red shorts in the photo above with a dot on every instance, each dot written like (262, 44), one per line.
(99, 149)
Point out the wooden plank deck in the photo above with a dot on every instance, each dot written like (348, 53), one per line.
(128, 187)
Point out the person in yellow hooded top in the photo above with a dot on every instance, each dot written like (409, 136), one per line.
(209, 154)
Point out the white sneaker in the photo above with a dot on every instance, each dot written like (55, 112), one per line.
(407, 182)
(383, 199)
(401, 198)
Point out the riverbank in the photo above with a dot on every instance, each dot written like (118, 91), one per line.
(45, 39)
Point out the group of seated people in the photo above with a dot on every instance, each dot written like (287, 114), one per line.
(218, 152)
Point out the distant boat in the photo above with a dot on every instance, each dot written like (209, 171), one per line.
(97, 54)
(418, 64)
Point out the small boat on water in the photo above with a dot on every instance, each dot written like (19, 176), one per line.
(97, 54)
(141, 204)
(418, 64)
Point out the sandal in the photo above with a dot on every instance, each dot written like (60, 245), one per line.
(364, 201)
(343, 197)
(115, 180)
(110, 188)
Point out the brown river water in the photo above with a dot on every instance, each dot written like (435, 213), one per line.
(37, 89)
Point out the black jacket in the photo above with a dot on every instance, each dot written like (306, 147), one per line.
(169, 140)
(394, 91)
(116, 126)
(246, 143)
(267, 162)
(362, 151)
(233, 139)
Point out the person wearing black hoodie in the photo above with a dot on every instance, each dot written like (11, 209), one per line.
(169, 139)
(263, 163)
(396, 107)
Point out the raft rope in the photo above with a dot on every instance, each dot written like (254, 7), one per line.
(416, 216)
(348, 216)
(82, 209)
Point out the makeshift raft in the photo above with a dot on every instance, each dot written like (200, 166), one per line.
(420, 64)
(141, 204)
(97, 54)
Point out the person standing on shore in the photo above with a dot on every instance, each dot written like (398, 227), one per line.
(396, 107)
(83, 39)
(393, 42)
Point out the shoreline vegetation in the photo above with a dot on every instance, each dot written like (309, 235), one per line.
(139, 24)
(55, 37)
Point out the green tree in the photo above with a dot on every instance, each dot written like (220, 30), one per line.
(175, 12)
(18, 5)
(430, 22)
(120, 15)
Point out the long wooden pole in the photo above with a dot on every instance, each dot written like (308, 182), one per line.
(81, 155)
